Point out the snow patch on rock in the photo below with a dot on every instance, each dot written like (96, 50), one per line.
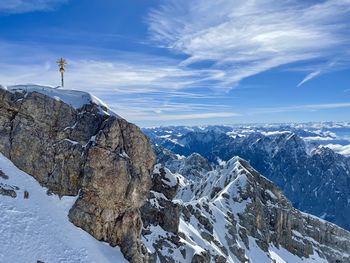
(74, 98)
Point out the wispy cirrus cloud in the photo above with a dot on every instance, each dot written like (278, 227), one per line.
(310, 77)
(214, 45)
(303, 108)
(24, 6)
(147, 88)
(248, 37)
(317, 70)
(183, 117)
(101, 76)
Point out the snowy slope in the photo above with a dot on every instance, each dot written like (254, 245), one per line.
(38, 228)
(229, 186)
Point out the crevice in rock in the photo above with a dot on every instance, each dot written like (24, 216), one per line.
(11, 120)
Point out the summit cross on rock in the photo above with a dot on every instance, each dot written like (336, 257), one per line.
(62, 63)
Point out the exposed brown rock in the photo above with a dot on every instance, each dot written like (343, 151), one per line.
(66, 149)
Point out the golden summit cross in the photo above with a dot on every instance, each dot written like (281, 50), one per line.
(62, 63)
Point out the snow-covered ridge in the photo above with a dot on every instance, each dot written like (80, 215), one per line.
(74, 98)
(234, 214)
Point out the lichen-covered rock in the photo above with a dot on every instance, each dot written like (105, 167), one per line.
(86, 150)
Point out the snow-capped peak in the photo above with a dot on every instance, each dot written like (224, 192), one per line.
(234, 214)
(74, 98)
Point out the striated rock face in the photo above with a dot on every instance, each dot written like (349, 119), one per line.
(84, 148)
(276, 221)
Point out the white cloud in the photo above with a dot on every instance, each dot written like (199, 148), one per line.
(150, 108)
(306, 107)
(247, 37)
(189, 116)
(234, 39)
(310, 77)
(124, 77)
(124, 72)
(341, 149)
(24, 6)
(146, 89)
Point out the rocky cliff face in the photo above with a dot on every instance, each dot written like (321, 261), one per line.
(83, 149)
(236, 215)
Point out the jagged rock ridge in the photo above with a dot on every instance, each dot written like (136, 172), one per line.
(236, 215)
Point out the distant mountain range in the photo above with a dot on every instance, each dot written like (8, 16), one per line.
(314, 177)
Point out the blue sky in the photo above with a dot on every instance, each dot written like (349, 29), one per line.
(173, 62)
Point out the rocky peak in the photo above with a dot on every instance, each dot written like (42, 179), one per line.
(326, 153)
(194, 166)
(164, 181)
(245, 214)
(70, 142)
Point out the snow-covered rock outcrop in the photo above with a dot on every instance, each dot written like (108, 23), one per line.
(70, 142)
(191, 167)
(236, 215)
